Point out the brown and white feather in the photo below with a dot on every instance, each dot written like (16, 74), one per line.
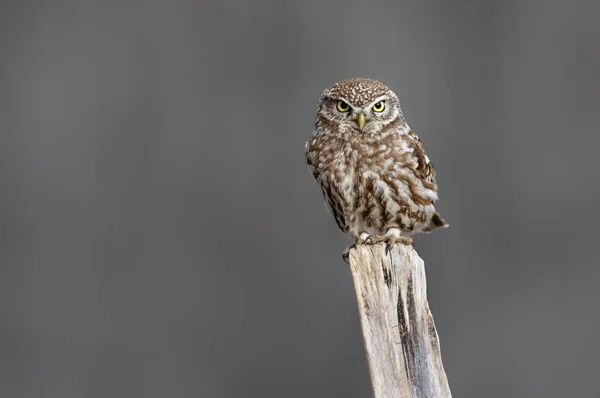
(374, 178)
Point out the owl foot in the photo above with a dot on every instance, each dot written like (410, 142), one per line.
(346, 253)
(374, 239)
(390, 238)
(389, 241)
(392, 241)
(362, 239)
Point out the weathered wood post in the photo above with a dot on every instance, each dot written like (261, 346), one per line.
(399, 334)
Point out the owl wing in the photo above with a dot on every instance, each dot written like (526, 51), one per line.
(424, 169)
(333, 201)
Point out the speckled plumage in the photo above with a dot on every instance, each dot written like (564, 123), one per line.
(375, 179)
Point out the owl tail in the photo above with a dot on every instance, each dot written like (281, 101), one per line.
(436, 222)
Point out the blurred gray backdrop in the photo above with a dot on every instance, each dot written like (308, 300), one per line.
(161, 236)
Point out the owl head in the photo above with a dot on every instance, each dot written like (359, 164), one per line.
(359, 106)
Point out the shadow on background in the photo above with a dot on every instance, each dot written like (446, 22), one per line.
(161, 236)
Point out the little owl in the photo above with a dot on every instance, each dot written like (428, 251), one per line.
(372, 168)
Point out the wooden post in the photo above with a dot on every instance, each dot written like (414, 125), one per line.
(399, 334)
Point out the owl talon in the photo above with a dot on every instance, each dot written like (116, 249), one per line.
(389, 240)
(374, 239)
(346, 256)
(346, 253)
(392, 241)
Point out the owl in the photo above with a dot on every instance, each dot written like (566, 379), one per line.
(372, 168)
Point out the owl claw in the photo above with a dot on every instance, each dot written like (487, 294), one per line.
(345, 256)
(346, 253)
(389, 241)
(362, 239)
(388, 247)
(374, 239)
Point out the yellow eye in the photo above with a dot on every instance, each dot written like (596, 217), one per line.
(342, 106)
(379, 107)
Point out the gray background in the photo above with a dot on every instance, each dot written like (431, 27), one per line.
(161, 236)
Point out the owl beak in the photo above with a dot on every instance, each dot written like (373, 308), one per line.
(361, 120)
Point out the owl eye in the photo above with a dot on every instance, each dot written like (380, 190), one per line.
(342, 106)
(379, 107)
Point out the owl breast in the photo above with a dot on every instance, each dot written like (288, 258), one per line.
(370, 185)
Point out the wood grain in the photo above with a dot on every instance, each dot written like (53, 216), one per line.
(399, 334)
